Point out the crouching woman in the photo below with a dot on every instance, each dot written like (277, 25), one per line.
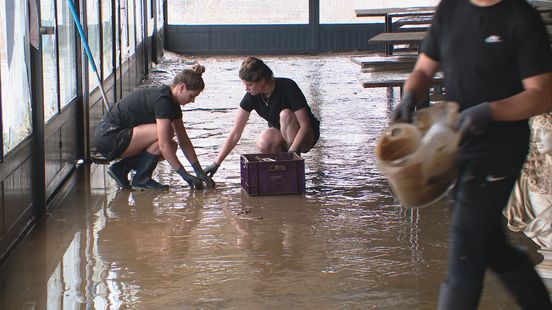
(139, 130)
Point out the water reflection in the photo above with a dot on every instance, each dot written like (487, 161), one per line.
(65, 281)
(344, 244)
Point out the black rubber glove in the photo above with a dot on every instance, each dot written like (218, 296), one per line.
(474, 120)
(403, 112)
(211, 169)
(193, 181)
(202, 176)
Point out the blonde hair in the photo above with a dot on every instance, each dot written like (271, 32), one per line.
(536, 169)
(191, 77)
(254, 70)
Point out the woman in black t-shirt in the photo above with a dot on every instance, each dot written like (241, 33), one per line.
(291, 125)
(140, 130)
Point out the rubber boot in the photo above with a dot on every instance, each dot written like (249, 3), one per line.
(142, 179)
(119, 170)
(454, 297)
(527, 288)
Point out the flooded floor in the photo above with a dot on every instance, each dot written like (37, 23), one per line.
(345, 244)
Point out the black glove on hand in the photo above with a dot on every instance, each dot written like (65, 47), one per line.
(202, 176)
(211, 169)
(193, 181)
(474, 120)
(403, 112)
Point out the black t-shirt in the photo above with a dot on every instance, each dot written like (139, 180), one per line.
(485, 53)
(144, 106)
(286, 95)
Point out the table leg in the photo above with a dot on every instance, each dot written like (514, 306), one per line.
(388, 28)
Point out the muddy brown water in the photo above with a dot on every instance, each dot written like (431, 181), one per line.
(345, 244)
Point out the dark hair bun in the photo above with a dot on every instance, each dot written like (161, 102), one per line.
(199, 69)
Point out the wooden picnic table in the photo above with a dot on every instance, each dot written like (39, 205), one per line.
(540, 5)
(389, 13)
(395, 12)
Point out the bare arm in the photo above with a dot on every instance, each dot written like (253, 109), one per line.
(184, 142)
(304, 123)
(240, 121)
(165, 135)
(535, 99)
(421, 78)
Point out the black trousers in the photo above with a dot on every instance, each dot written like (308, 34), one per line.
(477, 233)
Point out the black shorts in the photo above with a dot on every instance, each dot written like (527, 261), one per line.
(316, 130)
(111, 140)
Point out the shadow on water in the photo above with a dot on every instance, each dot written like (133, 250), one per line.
(344, 244)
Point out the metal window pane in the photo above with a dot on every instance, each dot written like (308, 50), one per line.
(107, 28)
(49, 61)
(15, 72)
(343, 11)
(67, 54)
(219, 12)
(93, 36)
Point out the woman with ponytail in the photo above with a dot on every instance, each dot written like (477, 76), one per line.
(139, 129)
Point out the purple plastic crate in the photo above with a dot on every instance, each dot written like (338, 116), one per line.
(272, 174)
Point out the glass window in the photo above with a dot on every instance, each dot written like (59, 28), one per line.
(131, 28)
(343, 11)
(150, 17)
(118, 34)
(93, 16)
(124, 28)
(107, 28)
(160, 20)
(49, 60)
(139, 22)
(15, 67)
(67, 54)
(217, 12)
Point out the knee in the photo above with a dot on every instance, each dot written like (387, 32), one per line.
(287, 116)
(264, 146)
(270, 142)
(154, 149)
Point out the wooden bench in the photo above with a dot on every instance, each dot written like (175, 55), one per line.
(385, 63)
(398, 37)
(414, 28)
(392, 38)
(394, 79)
(412, 20)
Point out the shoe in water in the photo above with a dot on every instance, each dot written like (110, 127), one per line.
(117, 172)
(149, 185)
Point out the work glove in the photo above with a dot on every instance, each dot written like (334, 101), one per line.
(193, 181)
(211, 169)
(202, 176)
(403, 112)
(474, 120)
